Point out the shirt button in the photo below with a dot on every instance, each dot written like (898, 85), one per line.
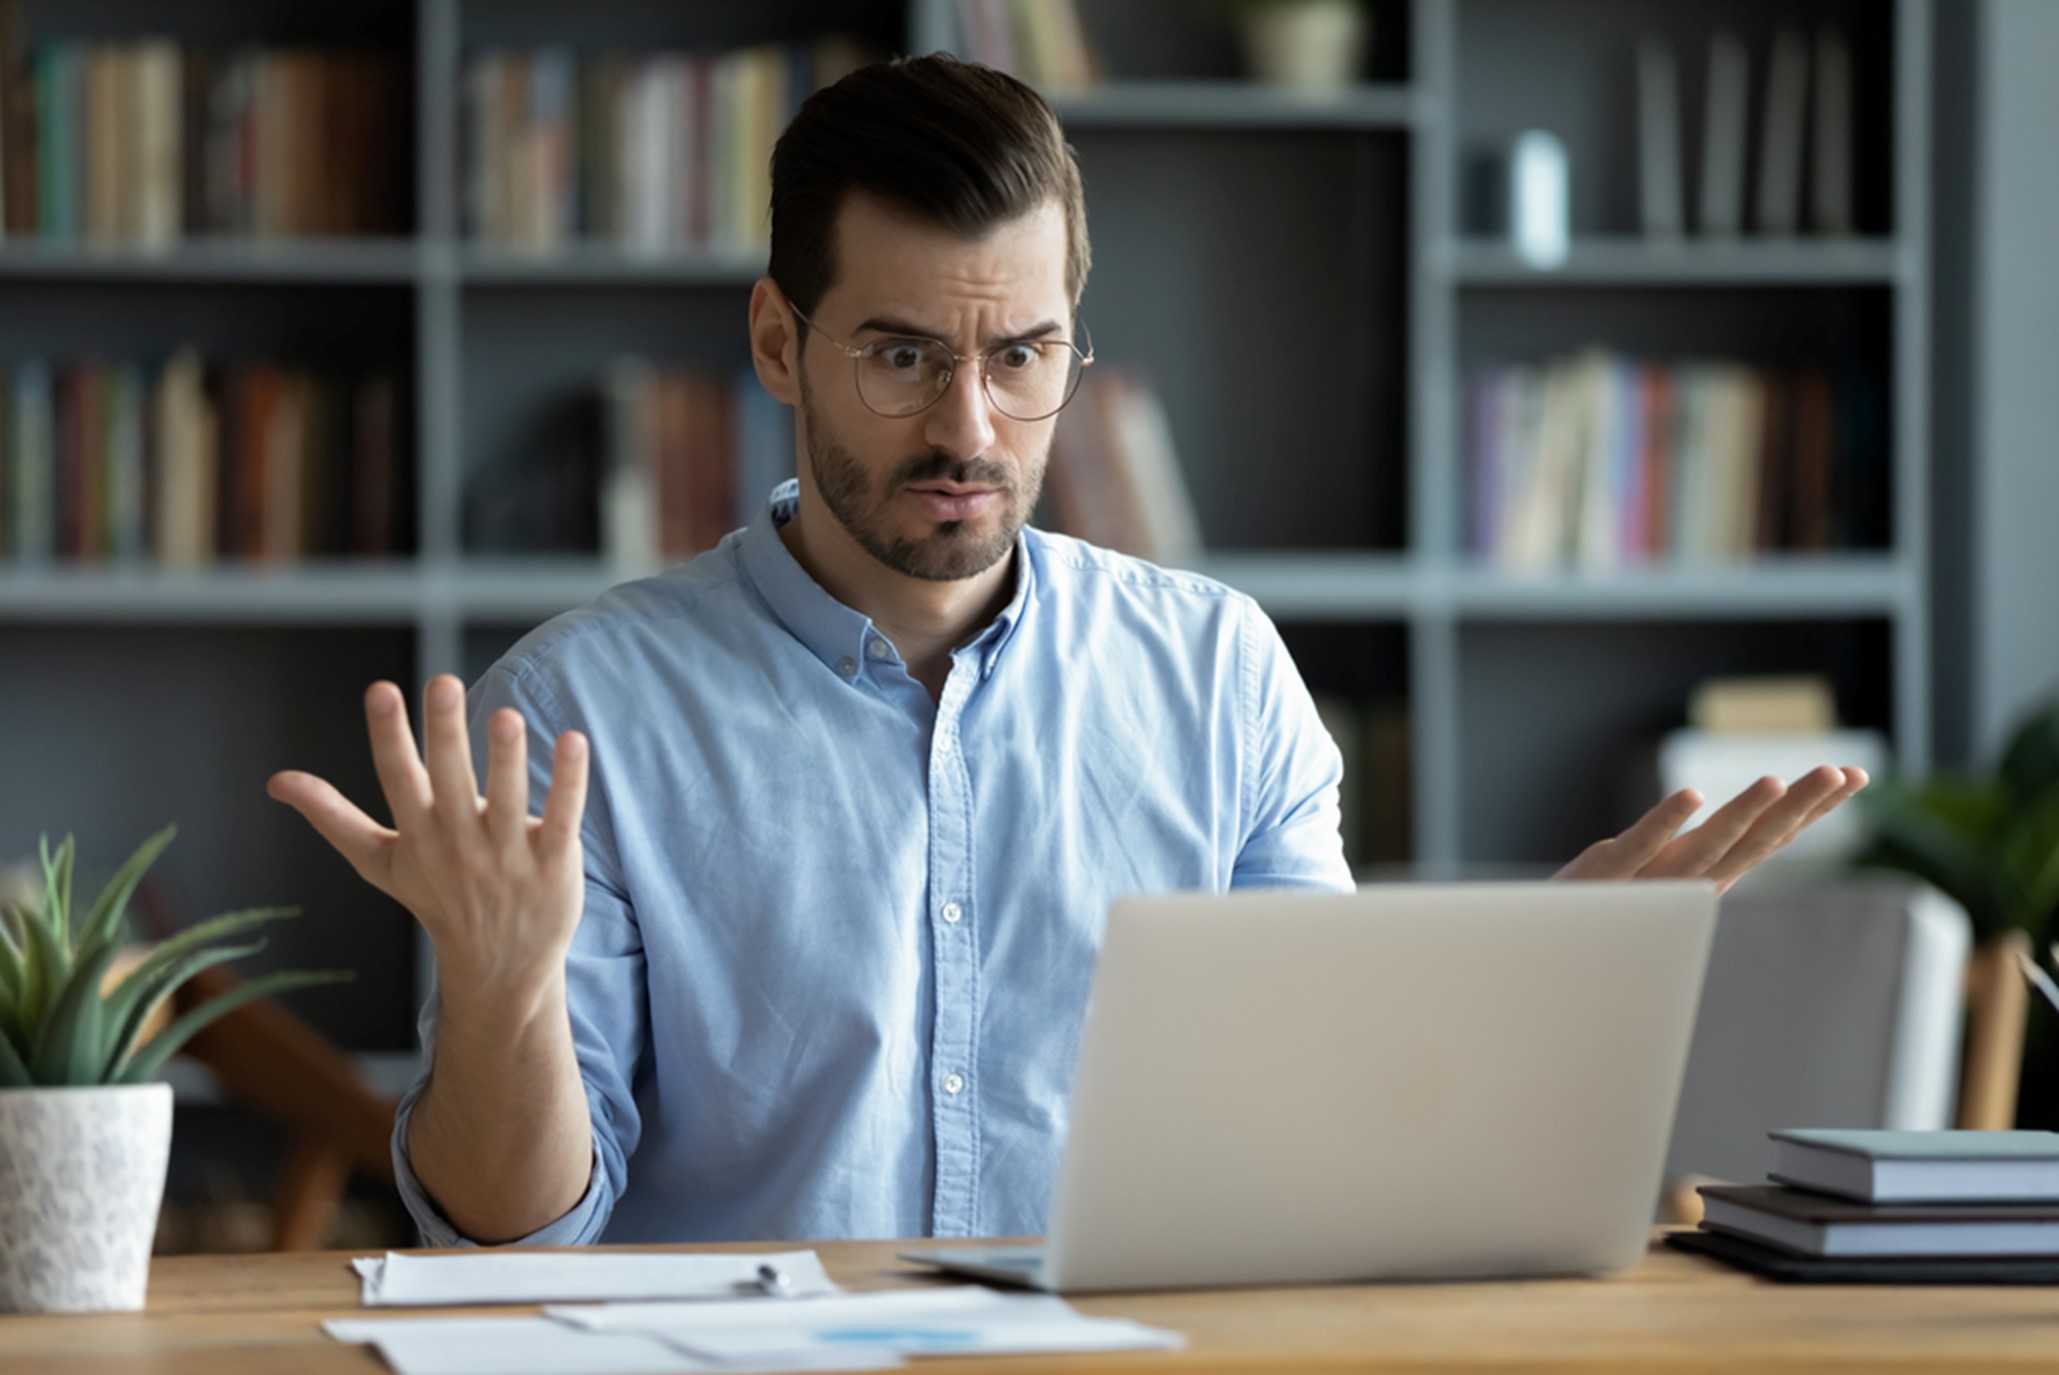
(952, 912)
(879, 649)
(954, 1083)
(847, 666)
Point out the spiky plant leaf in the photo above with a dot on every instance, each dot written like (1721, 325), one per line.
(57, 892)
(134, 1000)
(124, 1027)
(12, 919)
(67, 1048)
(150, 1057)
(46, 970)
(104, 925)
(14, 1074)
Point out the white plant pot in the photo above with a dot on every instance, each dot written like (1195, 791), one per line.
(1308, 45)
(81, 1178)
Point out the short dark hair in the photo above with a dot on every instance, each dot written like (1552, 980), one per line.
(953, 143)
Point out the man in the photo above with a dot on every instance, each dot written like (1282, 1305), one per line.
(866, 776)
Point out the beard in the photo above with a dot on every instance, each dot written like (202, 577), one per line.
(955, 549)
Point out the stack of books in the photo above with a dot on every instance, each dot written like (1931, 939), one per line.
(1899, 1205)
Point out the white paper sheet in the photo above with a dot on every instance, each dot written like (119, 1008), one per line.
(907, 1322)
(539, 1346)
(395, 1279)
(511, 1346)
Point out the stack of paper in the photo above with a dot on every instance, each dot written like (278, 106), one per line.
(809, 1326)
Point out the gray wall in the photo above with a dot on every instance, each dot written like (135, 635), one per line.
(1998, 291)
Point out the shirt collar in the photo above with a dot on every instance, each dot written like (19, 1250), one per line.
(834, 633)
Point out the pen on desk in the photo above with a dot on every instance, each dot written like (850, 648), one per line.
(2038, 979)
(774, 1282)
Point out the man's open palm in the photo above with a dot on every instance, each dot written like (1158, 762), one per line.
(1751, 826)
(498, 890)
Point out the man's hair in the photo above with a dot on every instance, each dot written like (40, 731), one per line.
(952, 143)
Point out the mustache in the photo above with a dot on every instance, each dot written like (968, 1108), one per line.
(944, 468)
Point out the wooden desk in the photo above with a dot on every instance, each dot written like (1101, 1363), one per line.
(217, 1315)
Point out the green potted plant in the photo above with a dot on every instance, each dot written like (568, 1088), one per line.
(85, 1130)
(1305, 45)
(1989, 840)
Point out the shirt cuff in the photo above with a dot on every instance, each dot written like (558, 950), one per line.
(578, 1227)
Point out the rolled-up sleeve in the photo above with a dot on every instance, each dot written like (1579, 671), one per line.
(1292, 770)
(605, 994)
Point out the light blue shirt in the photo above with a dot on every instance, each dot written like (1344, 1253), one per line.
(837, 942)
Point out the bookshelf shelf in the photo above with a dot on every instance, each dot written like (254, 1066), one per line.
(369, 593)
(1772, 587)
(383, 261)
(1236, 105)
(588, 264)
(1686, 262)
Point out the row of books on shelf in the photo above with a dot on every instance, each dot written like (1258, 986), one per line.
(1802, 178)
(651, 151)
(1599, 461)
(1114, 477)
(1042, 42)
(143, 143)
(689, 454)
(188, 463)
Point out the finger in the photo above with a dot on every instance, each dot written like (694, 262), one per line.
(1855, 781)
(1778, 824)
(507, 779)
(1692, 854)
(1633, 849)
(401, 775)
(566, 804)
(355, 836)
(449, 746)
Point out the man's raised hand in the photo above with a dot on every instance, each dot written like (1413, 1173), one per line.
(499, 891)
(1751, 826)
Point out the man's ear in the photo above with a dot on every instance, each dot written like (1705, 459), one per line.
(775, 348)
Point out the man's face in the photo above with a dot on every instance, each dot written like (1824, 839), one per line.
(939, 495)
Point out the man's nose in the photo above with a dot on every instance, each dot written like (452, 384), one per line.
(961, 423)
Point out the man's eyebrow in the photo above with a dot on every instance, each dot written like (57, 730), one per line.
(888, 324)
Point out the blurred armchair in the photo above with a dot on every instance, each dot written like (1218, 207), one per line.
(1858, 1002)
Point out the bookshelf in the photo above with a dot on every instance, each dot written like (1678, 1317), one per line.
(1327, 469)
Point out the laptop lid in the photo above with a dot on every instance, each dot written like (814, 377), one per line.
(1412, 1081)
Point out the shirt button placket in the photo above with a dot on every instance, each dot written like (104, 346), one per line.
(955, 1037)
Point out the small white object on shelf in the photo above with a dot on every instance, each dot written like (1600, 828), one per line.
(1540, 204)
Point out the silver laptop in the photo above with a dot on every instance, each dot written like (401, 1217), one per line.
(1409, 1082)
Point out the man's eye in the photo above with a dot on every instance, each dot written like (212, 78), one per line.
(902, 357)
(1018, 357)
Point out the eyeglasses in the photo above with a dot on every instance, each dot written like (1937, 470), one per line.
(903, 375)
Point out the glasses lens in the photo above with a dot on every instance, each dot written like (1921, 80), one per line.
(900, 376)
(1032, 379)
